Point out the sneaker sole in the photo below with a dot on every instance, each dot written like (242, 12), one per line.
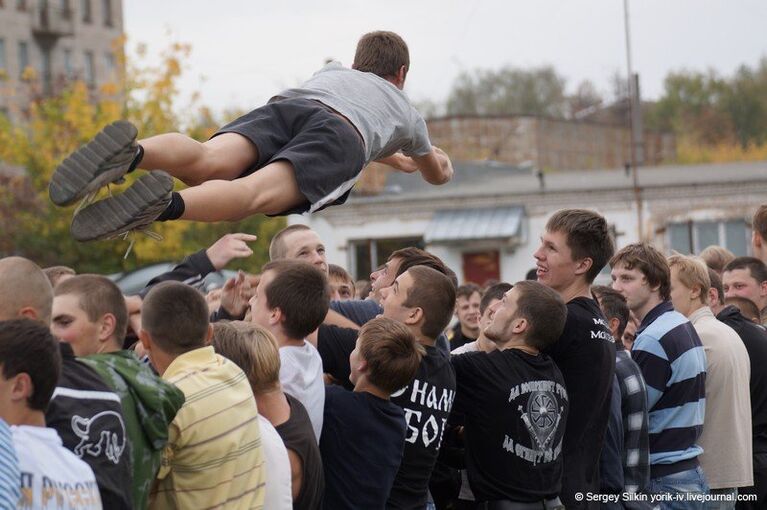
(99, 162)
(135, 208)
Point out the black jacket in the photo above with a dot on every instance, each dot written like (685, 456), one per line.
(755, 339)
(87, 414)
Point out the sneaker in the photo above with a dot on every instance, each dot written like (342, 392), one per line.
(134, 209)
(105, 159)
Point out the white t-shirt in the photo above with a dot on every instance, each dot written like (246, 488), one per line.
(52, 477)
(279, 493)
(467, 347)
(301, 376)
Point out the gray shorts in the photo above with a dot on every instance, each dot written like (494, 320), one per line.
(325, 150)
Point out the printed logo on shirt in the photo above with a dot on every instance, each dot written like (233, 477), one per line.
(542, 417)
(103, 433)
(602, 333)
(424, 426)
(55, 494)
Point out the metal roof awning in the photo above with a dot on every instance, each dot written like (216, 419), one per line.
(473, 224)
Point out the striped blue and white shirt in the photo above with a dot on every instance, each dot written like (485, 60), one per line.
(10, 478)
(673, 363)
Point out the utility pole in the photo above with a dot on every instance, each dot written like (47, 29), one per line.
(635, 124)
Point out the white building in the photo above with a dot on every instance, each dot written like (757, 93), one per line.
(485, 224)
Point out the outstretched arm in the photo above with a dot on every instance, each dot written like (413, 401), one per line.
(435, 167)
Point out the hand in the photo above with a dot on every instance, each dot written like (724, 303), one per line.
(229, 247)
(235, 295)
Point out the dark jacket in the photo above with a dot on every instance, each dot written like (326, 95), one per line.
(88, 416)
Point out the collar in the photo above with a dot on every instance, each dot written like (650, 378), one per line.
(701, 313)
(194, 359)
(660, 309)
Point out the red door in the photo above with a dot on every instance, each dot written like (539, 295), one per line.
(481, 267)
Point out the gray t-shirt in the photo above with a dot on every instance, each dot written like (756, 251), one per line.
(380, 111)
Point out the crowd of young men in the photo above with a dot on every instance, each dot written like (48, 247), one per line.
(282, 392)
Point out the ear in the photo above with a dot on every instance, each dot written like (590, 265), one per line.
(276, 317)
(415, 316)
(362, 366)
(584, 265)
(519, 326)
(712, 297)
(28, 313)
(763, 288)
(107, 327)
(401, 75)
(695, 293)
(145, 340)
(22, 387)
(209, 335)
(614, 323)
(756, 240)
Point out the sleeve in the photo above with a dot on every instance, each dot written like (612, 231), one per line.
(335, 345)
(359, 311)
(467, 378)
(9, 466)
(190, 271)
(419, 145)
(611, 459)
(562, 345)
(648, 354)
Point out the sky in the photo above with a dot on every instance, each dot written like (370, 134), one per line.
(245, 51)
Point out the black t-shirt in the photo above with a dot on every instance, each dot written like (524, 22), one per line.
(456, 337)
(585, 353)
(516, 407)
(427, 402)
(335, 345)
(298, 435)
(755, 339)
(361, 444)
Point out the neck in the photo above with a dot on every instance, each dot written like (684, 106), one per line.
(469, 332)
(160, 360)
(25, 416)
(717, 308)
(518, 343)
(364, 385)
(651, 303)
(425, 340)
(274, 406)
(284, 341)
(484, 344)
(695, 307)
(579, 288)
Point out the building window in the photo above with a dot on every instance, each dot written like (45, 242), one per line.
(106, 7)
(369, 254)
(90, 69)
(693, 237)
(21, 5)
(109, 62)
(23, 57)
(69, 68)
(2, 54)
(85, 7)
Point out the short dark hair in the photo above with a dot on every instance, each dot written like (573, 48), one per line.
(467, 290)
(434, 293)
(301, 292)
(176, 317)
(650, 262)
(391, 352)
(716, 283)
(545, 312)
(588, 236)
(756, 267)
(759, 222)
(28, 347)
(496, 291)
(277, 248)
(412, 256)
(748, 308)
(613, 305)
(98, 296)
(381, 53)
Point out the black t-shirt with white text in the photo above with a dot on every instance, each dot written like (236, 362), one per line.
(427, 402)
(585, 354)
(515, 406)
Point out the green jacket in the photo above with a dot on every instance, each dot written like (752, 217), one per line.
(149, 406)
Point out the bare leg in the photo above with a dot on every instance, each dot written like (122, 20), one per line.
(271, 190)
(223, 157)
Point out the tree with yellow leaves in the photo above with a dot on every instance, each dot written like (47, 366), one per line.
(54, 126)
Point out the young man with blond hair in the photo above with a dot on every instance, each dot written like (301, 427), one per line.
(726, 438)
(301, 152)
(364, 433)
(673, 363)
(214, 455)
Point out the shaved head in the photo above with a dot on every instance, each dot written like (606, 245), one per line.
(24, 290)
